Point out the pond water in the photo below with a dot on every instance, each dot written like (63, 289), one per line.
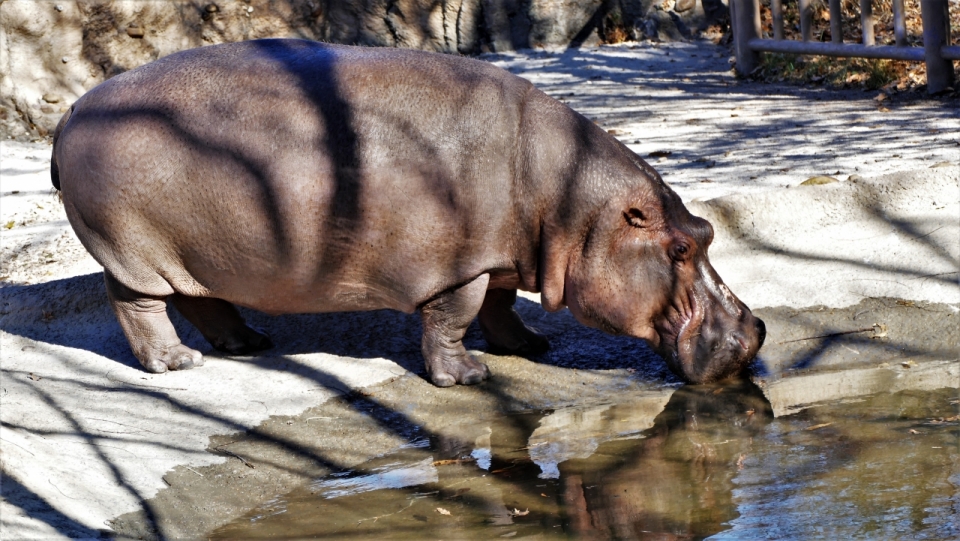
(687, 463)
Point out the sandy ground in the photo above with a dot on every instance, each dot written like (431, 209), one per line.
(86, 436)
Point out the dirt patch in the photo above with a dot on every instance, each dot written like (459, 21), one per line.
(873, 332)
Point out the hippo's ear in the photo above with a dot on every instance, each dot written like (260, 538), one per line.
(635, 217)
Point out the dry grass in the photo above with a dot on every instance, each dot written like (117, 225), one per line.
(613, 29)
(888, 75)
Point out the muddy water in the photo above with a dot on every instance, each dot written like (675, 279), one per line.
(687, 464)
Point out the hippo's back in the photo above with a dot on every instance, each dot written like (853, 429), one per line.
(272, 173)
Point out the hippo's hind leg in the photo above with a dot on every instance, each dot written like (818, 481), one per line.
(445, 321)
(221, 324)
(152, 337)
(503, 329)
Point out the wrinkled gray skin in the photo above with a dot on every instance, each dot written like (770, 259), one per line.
(290, 176)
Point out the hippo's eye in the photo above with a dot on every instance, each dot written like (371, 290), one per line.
(680, 252)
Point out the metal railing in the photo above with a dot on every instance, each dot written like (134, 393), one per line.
(936, 52)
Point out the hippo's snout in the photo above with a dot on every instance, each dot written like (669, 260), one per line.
(725, 345)
(743, 340)
(714, 341)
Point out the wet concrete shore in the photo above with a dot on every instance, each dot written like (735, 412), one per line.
(856, 280)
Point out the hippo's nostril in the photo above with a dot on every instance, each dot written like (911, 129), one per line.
(761, 332)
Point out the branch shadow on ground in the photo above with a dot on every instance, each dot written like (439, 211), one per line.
(642, 90)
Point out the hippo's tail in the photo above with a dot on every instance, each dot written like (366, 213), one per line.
(54, 168)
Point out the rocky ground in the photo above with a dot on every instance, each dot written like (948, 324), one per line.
(857, 280)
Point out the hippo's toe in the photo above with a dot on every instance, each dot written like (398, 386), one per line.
(465, 371)
(178, 357)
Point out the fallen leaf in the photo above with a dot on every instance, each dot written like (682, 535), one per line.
(34, 377)
(912, 431)
(443, 511)
(544, 495)
(818, 180)
(881, 97)
(821, 425)
(879, 330)
(740, 461)
(9, 225)
(518, 513)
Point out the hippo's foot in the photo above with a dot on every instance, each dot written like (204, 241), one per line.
(503, 329)
(152, 337)
(178, 357)
(460, 368)
(445, 321)
(245, 341)
(221, 324)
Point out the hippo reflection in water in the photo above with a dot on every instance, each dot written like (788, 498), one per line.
(677, 481)
(291, 177)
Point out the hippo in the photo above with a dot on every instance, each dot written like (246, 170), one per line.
(290, 176)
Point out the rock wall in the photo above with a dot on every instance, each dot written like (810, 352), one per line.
(52, 51)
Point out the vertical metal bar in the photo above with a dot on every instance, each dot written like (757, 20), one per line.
(866, 20)
(746, 19)
(936, 34)
(776, 7)
(899, 26)
(836, 22)
(806, 19)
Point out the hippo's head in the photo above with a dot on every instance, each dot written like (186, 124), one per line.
(643, 271)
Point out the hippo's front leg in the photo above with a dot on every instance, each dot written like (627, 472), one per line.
(445, 321)
(152, 337)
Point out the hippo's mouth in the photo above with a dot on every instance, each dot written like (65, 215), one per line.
(678, 330)
(701, 342)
